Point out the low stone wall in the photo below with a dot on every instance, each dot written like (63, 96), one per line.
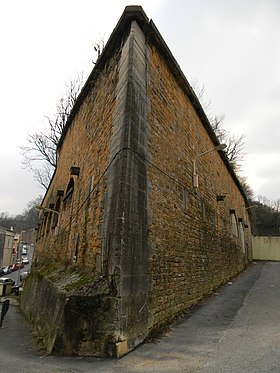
(71, 312)
(266, 248)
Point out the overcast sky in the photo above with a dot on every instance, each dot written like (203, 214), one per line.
(231, 47)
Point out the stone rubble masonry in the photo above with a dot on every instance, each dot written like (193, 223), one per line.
(134, 244)
(190, 235)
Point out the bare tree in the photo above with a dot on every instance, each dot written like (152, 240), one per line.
(40, 152)
(235, 144)
(271, 204)
(265, 217)
(247, 188)
(98, 47)
(26, 220)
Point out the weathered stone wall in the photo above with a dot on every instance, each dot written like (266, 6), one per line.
(88, 323)
(72, 312)
(43, 307)
(125, 253)
(106, 140)
(193, 249)
(129, 215)
(266, 248)
(86, 145)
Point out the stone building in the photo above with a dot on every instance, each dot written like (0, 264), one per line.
(6, 246)
(29, 236)
(128, 237)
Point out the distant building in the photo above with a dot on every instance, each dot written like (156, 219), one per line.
(144, 215)
(16, 247)
(29, 236)
(6, 246)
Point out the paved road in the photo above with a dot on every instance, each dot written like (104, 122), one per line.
(16, 275)
(236, 330)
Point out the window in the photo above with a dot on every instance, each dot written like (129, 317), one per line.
(70, 189)
(242, 237)
(55, 215)
(44, 224)
(234, 223)
(90, 185)
(49, 219)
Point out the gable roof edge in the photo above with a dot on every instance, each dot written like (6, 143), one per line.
(150, 30)
(180, 76)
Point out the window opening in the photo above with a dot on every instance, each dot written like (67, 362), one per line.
(70, 189)
(56, 215)
(242, 237)
(234, 224)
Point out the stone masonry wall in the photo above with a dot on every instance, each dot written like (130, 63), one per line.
(86, 145)
(105, 232)
(125, 251)
(193, 249)
(130, 222)
(88, 316)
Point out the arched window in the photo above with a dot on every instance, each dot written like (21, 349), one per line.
(69, 190)
(49, 219)
(39, 230)
(44, 225)
(55, 215)
(70, 187)
(234, 223)
(242, 236)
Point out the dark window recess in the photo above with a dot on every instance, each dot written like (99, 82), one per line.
(60, 193)
(76, 249)
(55, 216)
(75, 171)
(234, 223)
(70, 188)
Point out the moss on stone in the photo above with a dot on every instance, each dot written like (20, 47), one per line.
(78, 282)
(47, 269)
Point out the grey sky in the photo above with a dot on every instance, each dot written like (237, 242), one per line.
(231, 47)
